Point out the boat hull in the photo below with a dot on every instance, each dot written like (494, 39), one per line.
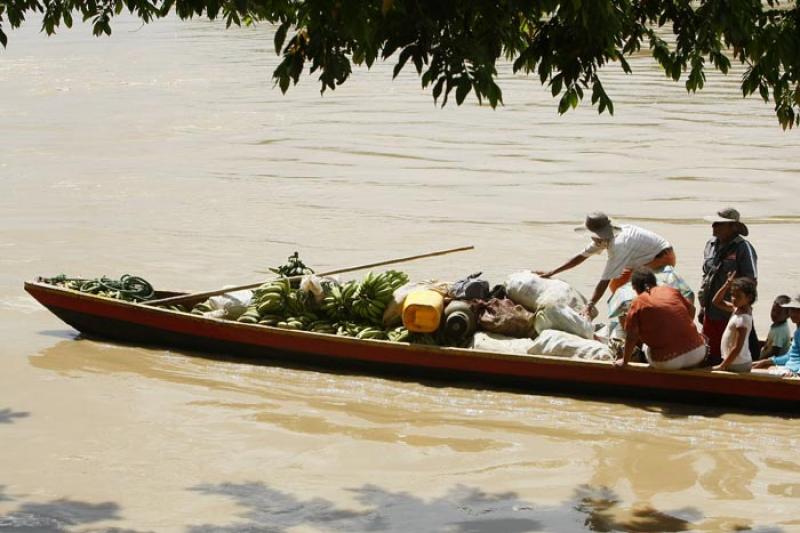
(143, 325)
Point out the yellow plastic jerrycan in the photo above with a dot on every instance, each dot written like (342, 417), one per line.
(422, 311)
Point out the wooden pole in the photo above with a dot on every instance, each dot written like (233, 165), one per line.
(174, 300)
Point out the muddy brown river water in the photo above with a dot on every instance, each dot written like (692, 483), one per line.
(164, 151)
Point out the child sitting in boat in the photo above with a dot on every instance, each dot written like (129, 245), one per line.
(735, 350)
(779, 337)
(789, 363)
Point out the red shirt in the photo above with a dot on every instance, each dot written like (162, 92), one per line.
(663, 320)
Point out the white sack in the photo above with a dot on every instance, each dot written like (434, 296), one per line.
(493, 342)
(562, 344)
(563, 318)
(532, 292)
(230, 305)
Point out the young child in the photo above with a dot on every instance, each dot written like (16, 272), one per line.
(787, 364)
(735, 350)
(779, 338)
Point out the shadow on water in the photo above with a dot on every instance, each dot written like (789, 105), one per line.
(58, 516)
(461, 510)
(7, 416)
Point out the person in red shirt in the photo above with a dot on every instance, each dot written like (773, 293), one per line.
(662, 319)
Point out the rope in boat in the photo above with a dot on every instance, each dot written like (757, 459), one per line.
(130, 288)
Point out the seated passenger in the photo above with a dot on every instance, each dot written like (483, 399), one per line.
(734, 348)
(789, 363)
(663, 320)
(779, 337)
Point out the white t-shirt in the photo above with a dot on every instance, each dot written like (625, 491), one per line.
(631, 248)
(735, 322)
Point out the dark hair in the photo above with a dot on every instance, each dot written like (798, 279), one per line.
(747, 286)
(643, 279)
(782, 299)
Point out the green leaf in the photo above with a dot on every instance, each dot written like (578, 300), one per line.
(280, 36)
(764, 91)
(462, 90)
(556, 83)
(437, 89)
(564, 103)
(401, 62)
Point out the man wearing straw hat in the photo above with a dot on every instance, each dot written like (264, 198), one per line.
(628, 247)
(727, 251)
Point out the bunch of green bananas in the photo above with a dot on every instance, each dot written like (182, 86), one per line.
(293, 267)
(374, 294)
(398, 334)
(250, 316)
(276, 303)
(337, 304)
(359, 331)
(270, 298)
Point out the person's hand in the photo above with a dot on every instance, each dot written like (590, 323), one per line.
(587, 311)
(763, 363)
(701, 315)
(620, 363)
(730, 278)
(543, 273)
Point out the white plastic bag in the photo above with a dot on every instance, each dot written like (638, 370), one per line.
(534, 292)
(563, 318)
(229, 305)
(313, 284)
(562, 344)
(494, 342)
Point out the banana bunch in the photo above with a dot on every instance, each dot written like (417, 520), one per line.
(293, 267)
(359, 331)
(337, 304)
(374, 294)
(250, 316)
(398, 334)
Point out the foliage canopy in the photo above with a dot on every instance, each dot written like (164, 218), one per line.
(454, 45)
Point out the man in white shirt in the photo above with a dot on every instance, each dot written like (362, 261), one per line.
(628, 247)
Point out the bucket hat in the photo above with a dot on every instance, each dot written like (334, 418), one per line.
(794, 303)
(728, 215)
(599, 225)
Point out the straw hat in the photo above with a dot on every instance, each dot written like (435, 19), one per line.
(599, 225)
(729, 215)
(794, 303)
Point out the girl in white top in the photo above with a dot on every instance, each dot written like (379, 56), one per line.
(735, 350)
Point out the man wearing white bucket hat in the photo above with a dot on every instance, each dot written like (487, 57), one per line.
(726, 252)
(628, 247)
(787, 364)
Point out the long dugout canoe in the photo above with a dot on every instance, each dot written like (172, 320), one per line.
(138, 324)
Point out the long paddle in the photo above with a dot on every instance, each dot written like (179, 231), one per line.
(174, 300)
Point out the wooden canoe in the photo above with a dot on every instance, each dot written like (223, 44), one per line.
(139, 324)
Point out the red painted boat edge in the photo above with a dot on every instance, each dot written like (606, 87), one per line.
(633, 381)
